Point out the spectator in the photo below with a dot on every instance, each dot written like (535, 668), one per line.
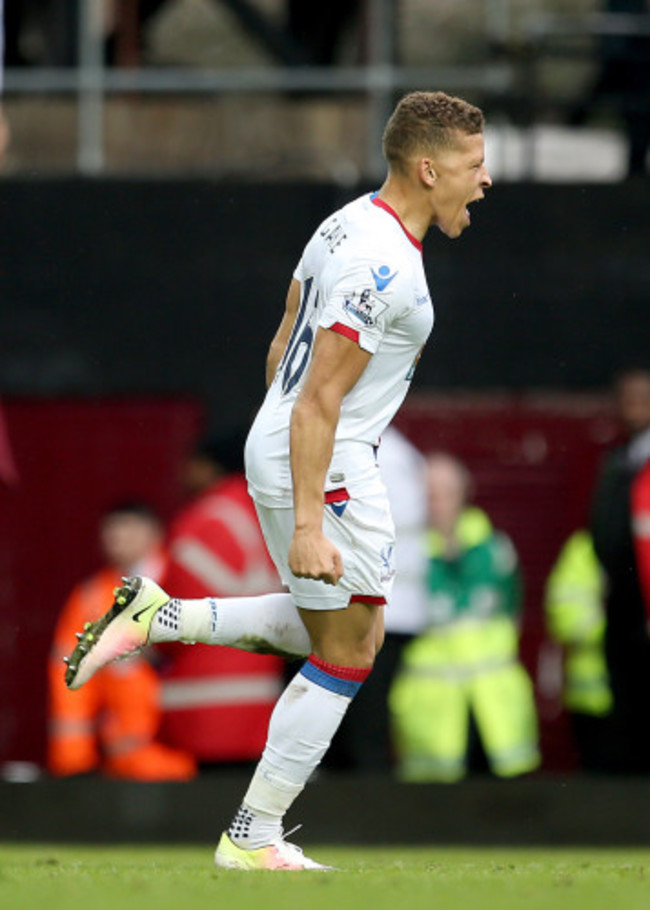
(463, 672)
(575, 616)
(218, 700)
(111, 726)
(364, 740)
(619, 525)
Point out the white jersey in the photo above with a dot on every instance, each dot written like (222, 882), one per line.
(361, 274)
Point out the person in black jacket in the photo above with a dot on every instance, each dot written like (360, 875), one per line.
(627, 644)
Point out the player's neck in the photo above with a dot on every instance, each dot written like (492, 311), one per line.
(412, 211)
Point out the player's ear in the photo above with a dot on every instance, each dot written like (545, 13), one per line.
(427, 172)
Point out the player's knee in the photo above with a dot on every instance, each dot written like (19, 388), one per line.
(347, 638)
(347, 654)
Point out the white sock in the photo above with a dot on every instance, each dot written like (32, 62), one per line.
(302, 725)
(266, 624)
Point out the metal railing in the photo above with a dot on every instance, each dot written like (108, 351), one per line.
(91, 81)
(496, 82)
(92, 84)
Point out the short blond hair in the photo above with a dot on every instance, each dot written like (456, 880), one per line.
(424, 122)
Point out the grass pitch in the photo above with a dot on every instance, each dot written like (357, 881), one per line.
(395, 878)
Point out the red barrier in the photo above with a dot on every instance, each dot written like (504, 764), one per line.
(534, 460)
(74, 459)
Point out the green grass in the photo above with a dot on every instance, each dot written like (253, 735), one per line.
(396, 878)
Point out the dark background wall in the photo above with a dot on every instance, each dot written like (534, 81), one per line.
(177, 287)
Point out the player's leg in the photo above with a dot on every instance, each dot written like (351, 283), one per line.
(143, 613)
(302, 726)
(345, 629)
(263, 624)
(350, 637)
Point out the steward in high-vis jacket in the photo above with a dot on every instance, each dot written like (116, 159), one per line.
(111, 726)
(575, 618)
(466, 664)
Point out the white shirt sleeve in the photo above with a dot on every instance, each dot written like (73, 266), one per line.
(299, 271)
(365, 300)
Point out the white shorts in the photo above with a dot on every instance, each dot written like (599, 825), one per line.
(363, 532)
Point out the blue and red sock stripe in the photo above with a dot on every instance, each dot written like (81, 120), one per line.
(341, 680)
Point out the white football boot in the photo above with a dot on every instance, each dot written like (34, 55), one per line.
(280, 856)
(122, 631)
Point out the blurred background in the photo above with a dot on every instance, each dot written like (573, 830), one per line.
(164, 163)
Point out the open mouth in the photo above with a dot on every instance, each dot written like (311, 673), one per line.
(471, 202)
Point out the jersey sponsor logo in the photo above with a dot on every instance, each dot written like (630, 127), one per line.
(382, 277)
(364, 307)
(422, 299)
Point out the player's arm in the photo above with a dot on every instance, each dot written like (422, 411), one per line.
(336, 366)
(281, 338)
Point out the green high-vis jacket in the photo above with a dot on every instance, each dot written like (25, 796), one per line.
(575, 617)
(467, 660)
